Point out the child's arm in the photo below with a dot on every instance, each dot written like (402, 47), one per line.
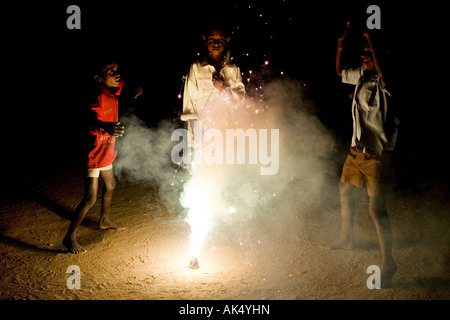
(233, 86)
(190, 96)
(340, 50)
(218, 82)
(130, 93)
(114, 129)
(239, 87)
(376, 61)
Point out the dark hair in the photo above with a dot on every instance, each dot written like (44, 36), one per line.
(216, 25)
(100, 62)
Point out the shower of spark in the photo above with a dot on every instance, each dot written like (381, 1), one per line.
(202, 197)
(203, 189)
(197, 197)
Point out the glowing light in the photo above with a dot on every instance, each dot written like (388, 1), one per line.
(197, 197)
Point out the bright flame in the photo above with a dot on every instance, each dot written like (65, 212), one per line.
(197, 196)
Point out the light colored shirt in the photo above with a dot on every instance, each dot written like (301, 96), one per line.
(374, 122)
(200, 93)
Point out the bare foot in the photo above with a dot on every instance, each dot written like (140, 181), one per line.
(341, 245)
(387, 272)
(72, 245)
(108, 224)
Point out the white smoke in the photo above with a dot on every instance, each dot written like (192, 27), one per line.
(237, 191)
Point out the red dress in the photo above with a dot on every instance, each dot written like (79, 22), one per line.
(105, 109)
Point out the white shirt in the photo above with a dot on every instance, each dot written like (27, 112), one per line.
(374, 122)
(200, 94)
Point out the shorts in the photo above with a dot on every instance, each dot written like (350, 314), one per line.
(373, 170)
(95, 173)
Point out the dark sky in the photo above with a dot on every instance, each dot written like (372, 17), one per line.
(48, 64)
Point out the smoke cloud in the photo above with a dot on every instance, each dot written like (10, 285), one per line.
(238, 191)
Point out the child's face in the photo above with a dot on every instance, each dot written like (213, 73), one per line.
(215, 43)
(110, 75)
(367, 60)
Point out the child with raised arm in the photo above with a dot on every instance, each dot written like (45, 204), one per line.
(372, 144)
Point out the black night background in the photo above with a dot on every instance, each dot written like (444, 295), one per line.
(157, 42)
(47, 70)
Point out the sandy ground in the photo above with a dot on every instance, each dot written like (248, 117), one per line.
(277, 257)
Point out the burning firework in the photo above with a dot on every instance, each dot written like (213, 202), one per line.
(194, 263)
(200, 196)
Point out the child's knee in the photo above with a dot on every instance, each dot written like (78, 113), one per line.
(109, 181)
(90, 200)
(110, 186)
(377, 207)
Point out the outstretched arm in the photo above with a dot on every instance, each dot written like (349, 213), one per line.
(340, 50)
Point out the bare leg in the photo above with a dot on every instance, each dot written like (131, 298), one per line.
(108, 191)
(347, 198)
(378, 211)
(90, 197)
